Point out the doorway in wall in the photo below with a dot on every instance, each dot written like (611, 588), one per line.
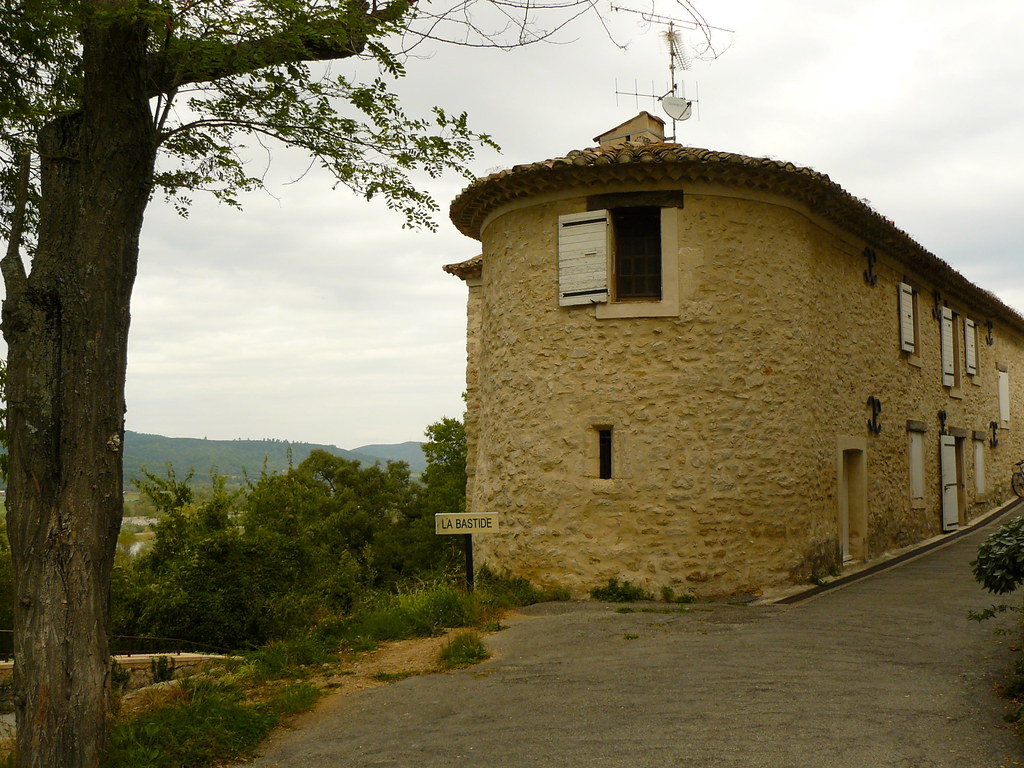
(853, 502)
(954, 489)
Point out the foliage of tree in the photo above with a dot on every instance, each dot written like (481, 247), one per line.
(295, 549)
(445, 475)
(999, 566)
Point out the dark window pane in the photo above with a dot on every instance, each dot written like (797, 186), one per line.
(604, 445)
(637, 253)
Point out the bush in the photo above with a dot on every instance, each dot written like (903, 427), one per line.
(211, 723)
(620, 592)
(999, 566)
(418, 613)
(503, 590)
(161, 669)
(287, 657)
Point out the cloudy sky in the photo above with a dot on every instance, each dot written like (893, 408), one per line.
(313, 316)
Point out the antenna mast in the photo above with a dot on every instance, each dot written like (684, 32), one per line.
(677, 107)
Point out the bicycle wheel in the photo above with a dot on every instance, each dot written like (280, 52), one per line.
(1018, 483)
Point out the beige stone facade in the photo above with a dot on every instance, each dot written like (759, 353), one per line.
(739, 408)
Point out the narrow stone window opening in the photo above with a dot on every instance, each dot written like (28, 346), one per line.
(604, 453)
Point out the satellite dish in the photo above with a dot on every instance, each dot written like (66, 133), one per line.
(677, 108)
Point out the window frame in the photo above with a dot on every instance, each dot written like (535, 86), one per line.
(599, 264)
(622, 231)
(605, 453)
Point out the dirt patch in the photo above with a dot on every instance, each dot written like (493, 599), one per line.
(418, 656)
(390, 662)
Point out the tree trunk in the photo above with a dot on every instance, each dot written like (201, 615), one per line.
(66, 325)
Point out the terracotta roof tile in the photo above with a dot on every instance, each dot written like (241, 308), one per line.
(467, 269)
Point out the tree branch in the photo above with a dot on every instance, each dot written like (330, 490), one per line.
(186, 61)
(11, 265)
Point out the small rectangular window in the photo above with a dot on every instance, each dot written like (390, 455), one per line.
(604, 453)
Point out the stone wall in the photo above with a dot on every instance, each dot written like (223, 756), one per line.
(728, 420)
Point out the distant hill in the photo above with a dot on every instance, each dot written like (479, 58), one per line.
(234, 458)
(411, 453)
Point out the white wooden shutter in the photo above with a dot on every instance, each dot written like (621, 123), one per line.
(948, 366)
(970, 347)
(908, 342)
(916, 465)
(583, 258)
(950, 483)
(1004, 396)
(979, 467)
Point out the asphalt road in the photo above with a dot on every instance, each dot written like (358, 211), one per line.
(884, 672)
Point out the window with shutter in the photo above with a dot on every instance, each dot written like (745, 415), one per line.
(637, 257)
(1004, 397)
(583, 258)
(948, 348)
(916, 450)
(979, 467)
(908, 318)
(615, 257)
(970, 347)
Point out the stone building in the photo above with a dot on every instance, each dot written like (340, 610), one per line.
(718, 373)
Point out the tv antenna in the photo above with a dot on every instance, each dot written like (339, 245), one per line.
(673, 101)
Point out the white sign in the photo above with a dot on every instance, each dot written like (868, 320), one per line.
(465, 522)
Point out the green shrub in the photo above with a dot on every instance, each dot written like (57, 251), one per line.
(463, 650)
(293, 699)
(120, 677)
(620, 592)
(999, 566)
(669, 595)
(418, 613)
(503, 590)
(287, 657)
(161, 669)
(210, 724)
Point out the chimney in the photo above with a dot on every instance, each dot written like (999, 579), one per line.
(645, 128)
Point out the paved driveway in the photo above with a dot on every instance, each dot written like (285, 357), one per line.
(885, 672)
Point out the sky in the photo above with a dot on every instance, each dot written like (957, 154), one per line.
(313, 316)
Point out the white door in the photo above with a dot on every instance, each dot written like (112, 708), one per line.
(950, 483)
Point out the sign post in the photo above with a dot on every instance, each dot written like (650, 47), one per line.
(465, 523)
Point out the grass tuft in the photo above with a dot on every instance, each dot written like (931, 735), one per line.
(620, 592)
(463, 650)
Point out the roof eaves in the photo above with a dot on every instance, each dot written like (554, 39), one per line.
(639, 163)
